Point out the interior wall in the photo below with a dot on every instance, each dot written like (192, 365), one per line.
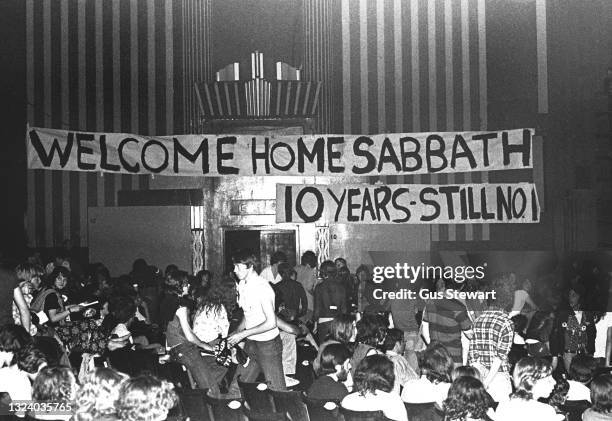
(159, 234)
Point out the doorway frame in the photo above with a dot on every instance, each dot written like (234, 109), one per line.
(280, 228)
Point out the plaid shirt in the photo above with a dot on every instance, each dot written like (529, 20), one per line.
(493, 334)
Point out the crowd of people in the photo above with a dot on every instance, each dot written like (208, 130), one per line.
(87, 341)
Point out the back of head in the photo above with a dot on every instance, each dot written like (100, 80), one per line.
(309, 258)
(98, 393)
(145, 398)
(601, 393)
(375, 372)
(466, 371)
(122, 307)
(467, 397)
(333, 355)
(328, 270)
(504, 285)
(31, 359)
(582, 368)
(176, 282)
(27, 271)
(285, 270)
(54, 384)
(392, 337)
(278, 257)
(436, 363)
(370, 330)
(342, 328)
(526, 373)
(13, 338)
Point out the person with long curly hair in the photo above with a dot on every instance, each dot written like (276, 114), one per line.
(373, 389)
(145, 398)
(532, 378)
(467, 401)
(97, 395)
(57, 385)
(436, 371)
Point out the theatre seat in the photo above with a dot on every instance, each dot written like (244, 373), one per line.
(363, 415)
(257, 396)
(291, 403)
(322, 410)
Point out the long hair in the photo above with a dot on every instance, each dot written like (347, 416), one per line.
(467, 397)
(342, 328)
(221, 294)
(27, 271)
(375, 372)
(176, 281)
(145, 398)
(526, 373)
(370, 330)
(601, 394)
(436, 363)
(13, 338)
(333, 355)
(98, 393)
(59, 270)
(54, 384)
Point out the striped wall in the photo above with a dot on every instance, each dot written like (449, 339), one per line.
(417, 66)
(115, 65)
(322, 60)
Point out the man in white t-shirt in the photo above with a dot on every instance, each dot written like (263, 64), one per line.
(603, 339)
(270, 273)
(258, 327)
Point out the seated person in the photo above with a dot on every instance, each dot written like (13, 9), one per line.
(373, 389)
(145, 398)
(13, 381)
(532, 378)
(31, 360)
(581, 372)
(468, 400)
(465, 371)
(57, 385)
(436, 371)
(98, 394)
(394, 346)
(601, 398)
(335, 372)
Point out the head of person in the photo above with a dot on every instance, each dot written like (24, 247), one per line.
(59, 278)
(370, 330)
(55, 384)
(204, 277)
(12, 339)
(344, 274)
(504, 285)
(582, 368)
(169, 269)
(340, 262)
(328, 270)
(540, 326)
(526, 285)
(285, 271)
(244, 263)
(309, 259)
(31, 273)
(465, 371)
(222, 293)
(145, 398)
(31, 360)
(436, 363)
(363, 273)
(374, 372)
(558, 396)
(177, 283)
(532, 378)
(343, 328)
(467, 397)
(394, 341)
(278, 257)
(601, 394)
(575, 296)
(98, 393)
(123, 308)
(335, 359)
(520, 322)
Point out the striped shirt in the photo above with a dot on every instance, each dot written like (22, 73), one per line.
(447, 318)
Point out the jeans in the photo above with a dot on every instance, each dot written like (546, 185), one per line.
(205, 371)
(266, 356)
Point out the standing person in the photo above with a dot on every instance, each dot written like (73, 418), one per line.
(522, 297)
(306, 275)
(290, 294)
(270, 273)
(330, 299)
(492, 340)
(258, 327)
(603, 339)
(445, 321)
(573, 330)
(9, 293)
(52, 301)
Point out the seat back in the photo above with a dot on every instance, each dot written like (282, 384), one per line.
(322, 410)
(265, 416)
(423, 412)
(362, 415)
(225, 409)
(574, 409)
(193, 405)
(291, 403)
(257, 396)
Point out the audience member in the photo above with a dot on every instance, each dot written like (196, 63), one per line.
(370, 333)
(145, 398)
(334, 374)
(468, 401)
(532, 380)
(31, 360)
(373, 389)
(27, 274)
(306, 275)
(581, 372)
(330, 299)
(14, 381)
(11, 293)
(270, 273)
(601, 398)
(436, 370)
(97, 396)
(394, 346)
(290, 294)
(57, 385)
(342, 331)
(465, 371)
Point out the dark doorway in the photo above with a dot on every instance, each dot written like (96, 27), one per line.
(263, 242)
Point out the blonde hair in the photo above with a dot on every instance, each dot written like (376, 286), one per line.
(98, 393)
(526, 373)
(145, 398)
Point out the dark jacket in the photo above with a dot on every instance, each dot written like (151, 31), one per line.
(560, 332)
